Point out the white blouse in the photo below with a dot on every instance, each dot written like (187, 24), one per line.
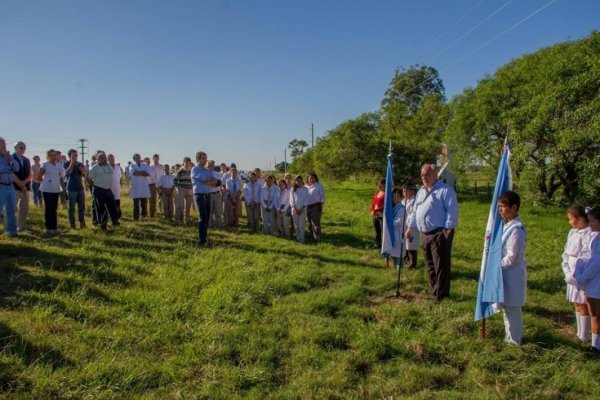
(53, 175)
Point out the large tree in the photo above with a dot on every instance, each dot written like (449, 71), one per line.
(548, 103)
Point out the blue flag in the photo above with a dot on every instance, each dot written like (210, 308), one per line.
(389, 236)
(491, 289)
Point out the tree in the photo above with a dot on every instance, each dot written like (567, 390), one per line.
(548, 103)
(297, 147)
(280, 167)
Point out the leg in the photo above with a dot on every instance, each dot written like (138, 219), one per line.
(136, 209)
(144, 202)
(153, 194)
(203, 206)
(440, 251)
(513, 325)
(22, 209)
(429, 263)
(377, 227)
(9, 200)
(189, 199)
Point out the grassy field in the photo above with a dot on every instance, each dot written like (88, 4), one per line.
(141, 313)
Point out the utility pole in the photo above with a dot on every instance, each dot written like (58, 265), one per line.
(285, 160)
(83, 147)
(312, 134)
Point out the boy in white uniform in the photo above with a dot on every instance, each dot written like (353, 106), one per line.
(298, 203)
(252, 200)
(284, 212)
(514, 266)
(166, 188)
(233, 198)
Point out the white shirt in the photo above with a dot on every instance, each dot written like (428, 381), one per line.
(284, 199)
(116, 183)
(156, 171)
(269, 197)
(575, 241)
(587, 267)
(166, 181)
(233, 186)
(252, 192)
(316, 193)
(52, 177)
(299, 197)
(514, 264)
(139, 184)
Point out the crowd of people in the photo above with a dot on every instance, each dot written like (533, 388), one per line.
(281, 206)
(428, 214)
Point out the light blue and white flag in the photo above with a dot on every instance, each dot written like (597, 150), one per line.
(491, 289)
(389, 236)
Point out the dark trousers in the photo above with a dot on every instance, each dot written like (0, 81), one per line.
(118, 205)
(377, 225)
(76, 199)
(437, 249)
(50, 212)
(140, 204)
(313, 215)
(105, 206)
(203, 207)
(411, 258)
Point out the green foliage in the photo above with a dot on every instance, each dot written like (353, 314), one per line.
(549, 103)
(297, 147)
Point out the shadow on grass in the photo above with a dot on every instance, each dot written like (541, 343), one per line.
(14, 344)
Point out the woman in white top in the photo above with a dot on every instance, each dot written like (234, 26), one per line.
(587, 274)
(314, 207)
(284, 213)
(579, 222)
(51, 175)
(298, 203)
(116, 183)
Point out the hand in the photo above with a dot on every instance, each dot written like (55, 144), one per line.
(409, 234)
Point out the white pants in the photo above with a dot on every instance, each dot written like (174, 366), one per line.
(513, 324)
(299, 221)
(268, 217)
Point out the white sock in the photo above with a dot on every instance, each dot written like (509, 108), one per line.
(585, 327)
(578, 319)
(596, 341)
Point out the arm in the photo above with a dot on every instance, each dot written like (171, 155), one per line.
(41, 174)
(565, 257)
(588, 268)
(515, 244)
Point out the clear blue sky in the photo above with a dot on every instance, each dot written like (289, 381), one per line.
(240, 79)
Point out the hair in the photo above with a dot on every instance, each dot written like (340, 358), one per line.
(594, 213)
(36, 157)
(211, 162)
(510, 199)
(155, 155)
(282, 181)
(271, 177)
(397, 190)
(296, 186)
(577, 212)
(380, 181)
(199, 155)
(19, 143)
(428, 166)
(257, 169)
(233, 165)
(167, 167)
(71, 151)
(136, 155)
(187, 159)
(314, 175)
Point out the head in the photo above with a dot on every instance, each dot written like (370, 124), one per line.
(428, 175)
(298, 182)
(167, 169)
(51, 155)
(233, 171)
(93, 158)
(20, 148)
(408, 192)
(58, 155)
(594, 218)
(111, 159)
(36, 159)
(233, 165)
(147, 160)
(396, 195)
(156, 158)
(177, 167)
(282, 184)
(258, 172)
(210, 164)
(312, 178)
(72, 154)
(577, 217)
(137, 158)
(288, 178)
(509, 203)
(201, 158)
(252, 176)
(101, 157)
(187, 162)
(270, 180)
(223, 167)
(381, 185)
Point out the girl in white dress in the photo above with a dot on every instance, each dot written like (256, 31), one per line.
(579, 222)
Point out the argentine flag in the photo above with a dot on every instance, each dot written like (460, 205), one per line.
(491, 290)
(389, 236)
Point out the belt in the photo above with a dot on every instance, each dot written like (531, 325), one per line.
(152, 184)
(211, 193)
(433, 232)
(6, 184)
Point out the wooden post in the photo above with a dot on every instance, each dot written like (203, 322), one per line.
(482, 330)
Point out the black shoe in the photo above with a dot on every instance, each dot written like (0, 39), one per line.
(201, 244)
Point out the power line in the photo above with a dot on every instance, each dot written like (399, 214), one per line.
(471, 30)
(458, 21)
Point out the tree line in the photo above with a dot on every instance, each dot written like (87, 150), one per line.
(546, 102)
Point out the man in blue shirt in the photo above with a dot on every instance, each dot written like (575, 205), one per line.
(203, 181)
(435, 213)
(8, 197)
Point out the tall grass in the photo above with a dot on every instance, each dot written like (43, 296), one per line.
(141, 313)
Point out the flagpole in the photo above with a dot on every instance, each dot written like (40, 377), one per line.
(387, 257)
(402, 243)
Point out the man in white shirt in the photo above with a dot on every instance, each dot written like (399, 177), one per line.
(252, 200)
(140, 190)
(156, 171)
(215, 219)
(269, 200)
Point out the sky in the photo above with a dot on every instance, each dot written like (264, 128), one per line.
(241, 79)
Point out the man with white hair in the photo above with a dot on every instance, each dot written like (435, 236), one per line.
(22, 184)
(8, 199)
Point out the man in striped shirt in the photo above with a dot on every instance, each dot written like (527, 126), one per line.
(184, 195)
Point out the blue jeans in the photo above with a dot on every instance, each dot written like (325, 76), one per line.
(37, 195)
(8, 204)
(203, 206)
(79, 199)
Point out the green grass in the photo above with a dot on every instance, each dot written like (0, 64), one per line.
(141, 313)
